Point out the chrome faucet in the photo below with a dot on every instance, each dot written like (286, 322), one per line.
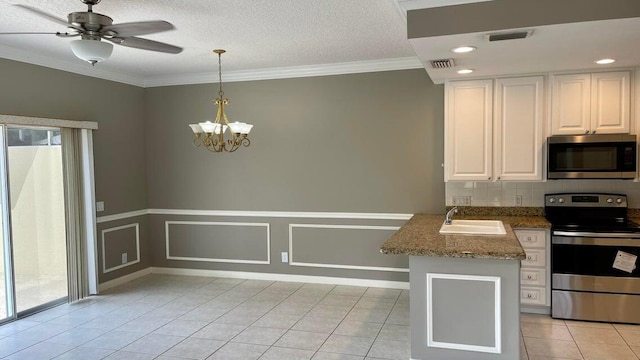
(447, 218)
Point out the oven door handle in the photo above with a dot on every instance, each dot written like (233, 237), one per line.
(580, 240)
(596, 235)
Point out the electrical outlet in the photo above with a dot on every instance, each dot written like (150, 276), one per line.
(518, 200)
(100, 206)
(285, 257)
(461, 200)
(124, 258)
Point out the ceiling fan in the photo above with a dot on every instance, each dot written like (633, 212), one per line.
(92, 27)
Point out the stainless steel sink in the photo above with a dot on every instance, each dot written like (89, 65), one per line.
(477, 227)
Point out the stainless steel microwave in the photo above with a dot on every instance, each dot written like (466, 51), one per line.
(611, 156)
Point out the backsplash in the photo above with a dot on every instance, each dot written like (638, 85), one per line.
(482, 193)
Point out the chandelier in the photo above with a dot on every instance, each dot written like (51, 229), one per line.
(211, 134)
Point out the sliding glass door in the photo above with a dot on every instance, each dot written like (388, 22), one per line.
(37, 217)
(47, 219)
(6, 268)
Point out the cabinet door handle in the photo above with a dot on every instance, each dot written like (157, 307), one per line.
(529, 277)
(586, 132)
(529, 296)
(593, 132)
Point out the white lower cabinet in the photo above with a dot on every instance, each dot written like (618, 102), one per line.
(533, 296)
(535, 286)
(532, 276)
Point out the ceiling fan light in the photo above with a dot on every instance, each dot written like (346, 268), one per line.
(92, 51)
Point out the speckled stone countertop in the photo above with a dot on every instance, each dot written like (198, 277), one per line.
(420, 236)
(517, 217)
(634, 215)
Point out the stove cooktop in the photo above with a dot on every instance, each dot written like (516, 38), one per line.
(613, 227)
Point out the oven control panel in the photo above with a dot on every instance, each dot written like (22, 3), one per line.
(585, 200)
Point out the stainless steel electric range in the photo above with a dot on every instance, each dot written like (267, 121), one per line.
(594, 258)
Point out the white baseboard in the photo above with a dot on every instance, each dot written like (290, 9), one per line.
(124, 279)
(283, 277)
(541, 310)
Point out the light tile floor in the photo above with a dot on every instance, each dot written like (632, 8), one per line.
(545, 338)
(185, 317)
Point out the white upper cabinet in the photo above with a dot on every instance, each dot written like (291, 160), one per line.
(494, 136)
(571, 104)
(468, 130)
(597, 103)
(610, 102)
(518, 128)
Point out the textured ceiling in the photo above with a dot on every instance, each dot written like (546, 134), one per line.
(292, 38)
(257, 34)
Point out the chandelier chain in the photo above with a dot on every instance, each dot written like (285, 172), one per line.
(220, 93)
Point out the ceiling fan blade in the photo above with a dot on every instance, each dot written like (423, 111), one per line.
(59, 34)
(145, 44)
(138, 28)
(28, 33)
(46, 15)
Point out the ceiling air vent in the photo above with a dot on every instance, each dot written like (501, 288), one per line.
(442, 63)
(508, 35)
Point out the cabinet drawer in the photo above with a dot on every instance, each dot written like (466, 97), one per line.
(533, 277)
(531, 238)
(532, 296)
(534, 258)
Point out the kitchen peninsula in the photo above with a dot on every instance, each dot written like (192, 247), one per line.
(465, 300)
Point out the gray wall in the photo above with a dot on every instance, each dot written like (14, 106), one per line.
(119, 144)
(365, 143)
(354, 143)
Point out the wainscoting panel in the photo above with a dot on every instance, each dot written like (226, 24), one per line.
(354, 247)
(472, 299)
(226, 242)
(117, 241)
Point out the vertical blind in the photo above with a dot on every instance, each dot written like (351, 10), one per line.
(77, 268)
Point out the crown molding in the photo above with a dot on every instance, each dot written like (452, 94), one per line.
(12, 53)
(289, 72)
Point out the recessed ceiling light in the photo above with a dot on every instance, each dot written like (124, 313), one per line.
(605, 61)
(463, 49)
(465, 71)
